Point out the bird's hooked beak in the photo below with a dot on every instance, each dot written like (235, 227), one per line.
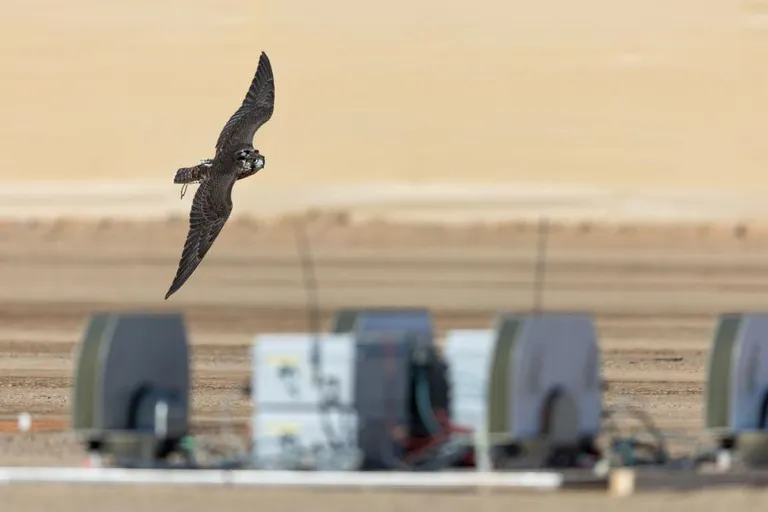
(260, 162)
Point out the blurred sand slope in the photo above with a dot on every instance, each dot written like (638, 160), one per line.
(596, 93)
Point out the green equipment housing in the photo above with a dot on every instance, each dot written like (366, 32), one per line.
(131, 390)
(736, 394)
(531, 387)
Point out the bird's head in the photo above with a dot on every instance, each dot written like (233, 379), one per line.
(250, 159)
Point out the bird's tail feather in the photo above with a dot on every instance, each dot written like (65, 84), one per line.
(189, 175)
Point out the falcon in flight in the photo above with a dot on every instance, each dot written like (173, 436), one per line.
(235, 159)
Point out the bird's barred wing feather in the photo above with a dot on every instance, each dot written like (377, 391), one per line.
(210, 210)
(256, 109)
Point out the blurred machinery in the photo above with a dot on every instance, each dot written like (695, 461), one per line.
(737, 387)
(372, 395)
(414, 320)
(378, 393)
(131, 392)
(403, 390)
(299, 422)
(531, 388)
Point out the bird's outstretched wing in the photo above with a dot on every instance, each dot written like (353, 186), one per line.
(257, 108)
(210, 210)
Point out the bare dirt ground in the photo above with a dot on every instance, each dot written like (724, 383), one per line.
(655, 292)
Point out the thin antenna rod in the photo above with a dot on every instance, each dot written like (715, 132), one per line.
(310, 287)
(541, 264)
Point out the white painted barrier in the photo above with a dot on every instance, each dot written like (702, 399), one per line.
(381, 480)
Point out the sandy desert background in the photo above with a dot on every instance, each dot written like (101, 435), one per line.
(599, 108)
(417, 140)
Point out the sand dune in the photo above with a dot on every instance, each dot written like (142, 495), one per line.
(623, 95)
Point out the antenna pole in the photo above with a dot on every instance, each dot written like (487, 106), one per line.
(310, 287)
(541, 263)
